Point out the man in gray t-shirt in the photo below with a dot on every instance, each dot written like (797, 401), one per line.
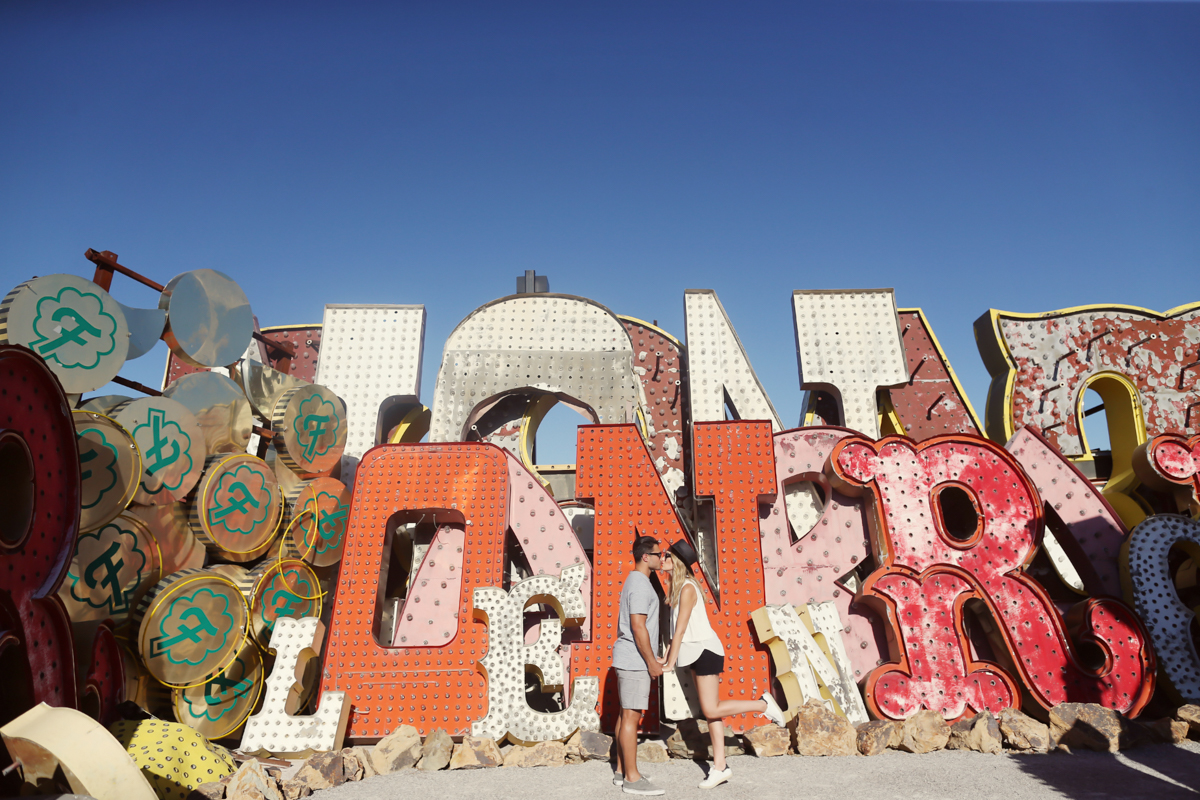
(636, 661)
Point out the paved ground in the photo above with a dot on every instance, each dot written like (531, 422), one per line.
(1159, 772)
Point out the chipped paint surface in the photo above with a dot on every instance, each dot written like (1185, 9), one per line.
(1040, 365)
(906, 483)
(1080, 513)
(934, 668)
(663, 377)
(1172, 459)
(827, 548)
(932, 402)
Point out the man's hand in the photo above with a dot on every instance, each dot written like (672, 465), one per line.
(654, 668)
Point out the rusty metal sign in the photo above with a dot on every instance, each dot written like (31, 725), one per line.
(238, 507)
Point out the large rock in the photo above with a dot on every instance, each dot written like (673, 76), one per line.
(595, 746)
(436, 752)
(817, 731)
(363, 756)
(1191, 715)
(877, 735)
(542, 754)
(980, 733)
(476, 752)
(253, 782)
(1165, 730)
(294, 789)
(924, 732)
(573, 755)
(399, 750)
(652, 752)
(216, 789)
(1087, 725)
(769, 740)
(352, 768)
(1023, 733)
(691, 739)
(322, 771)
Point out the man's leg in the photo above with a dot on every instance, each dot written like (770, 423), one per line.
(617, 736)
(627, 743)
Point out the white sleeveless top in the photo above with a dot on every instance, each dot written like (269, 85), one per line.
(699, 635)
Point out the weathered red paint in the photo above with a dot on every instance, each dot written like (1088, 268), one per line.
(906, 481)
(1171, 459)
(931, 403)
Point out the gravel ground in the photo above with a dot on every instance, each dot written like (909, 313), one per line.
(1158, 771)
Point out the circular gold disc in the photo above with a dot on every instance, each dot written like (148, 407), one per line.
(191, 626)
(111, 569)
(219, 707)
(287, 588)
(310, 428)
(320, 511)
(110, 466)
(77, 327)
(177, 544)
(209, 322)
(172, 447)
(221, 409)
(238, 507)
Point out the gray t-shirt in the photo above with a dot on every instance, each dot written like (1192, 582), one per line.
(637, 597)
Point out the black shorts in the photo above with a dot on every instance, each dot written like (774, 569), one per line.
(709, 663)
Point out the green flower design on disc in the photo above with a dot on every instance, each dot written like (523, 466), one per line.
(188, 622)
(73, 329)
(163, 443)
(222, 693)
(287, 595)
(332, 525)
(97, 466)
(316, 418)
(108, 560)
(241, 501)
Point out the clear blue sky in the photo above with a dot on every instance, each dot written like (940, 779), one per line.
(1022, 156)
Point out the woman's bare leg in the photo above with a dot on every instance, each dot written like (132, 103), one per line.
(716, 710)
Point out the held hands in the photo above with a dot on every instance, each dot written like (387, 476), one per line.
(655, 668)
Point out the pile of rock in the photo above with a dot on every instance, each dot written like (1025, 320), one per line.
(813, 731)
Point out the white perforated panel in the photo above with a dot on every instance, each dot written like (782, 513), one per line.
(553, 343)
(369, 353)
(718, 365)
(273, 731)
(848, 343)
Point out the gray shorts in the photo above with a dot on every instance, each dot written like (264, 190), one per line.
(633, 688)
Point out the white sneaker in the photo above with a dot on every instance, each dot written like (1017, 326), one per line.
(618, 779)
(716, 777)
(773, 712)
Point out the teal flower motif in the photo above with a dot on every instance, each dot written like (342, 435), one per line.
(221, 694)
(315, 418)
(187, 622)
(163, 444)
(241, 501)
(74, 329)
(107, 559)
(97, 466)
(287, 595)
(331, 526)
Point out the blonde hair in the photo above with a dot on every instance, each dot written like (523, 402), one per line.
(680, 574)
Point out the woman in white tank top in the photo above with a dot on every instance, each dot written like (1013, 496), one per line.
(695, 644)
